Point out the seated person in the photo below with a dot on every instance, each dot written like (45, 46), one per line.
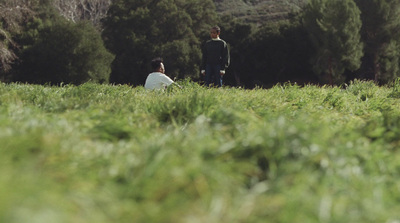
(157, 79)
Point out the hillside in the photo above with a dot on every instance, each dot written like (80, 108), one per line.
(113, 153)
(258, 11)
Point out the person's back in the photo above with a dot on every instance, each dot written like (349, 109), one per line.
(157, 79)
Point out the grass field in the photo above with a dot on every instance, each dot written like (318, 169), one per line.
(103, 153)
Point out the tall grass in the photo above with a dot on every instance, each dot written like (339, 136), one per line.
(104, 153)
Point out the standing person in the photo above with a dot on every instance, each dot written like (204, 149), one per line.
(215, 58)
(157, 79)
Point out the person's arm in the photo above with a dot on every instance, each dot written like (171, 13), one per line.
(176, 84)
(172, 84)
(167, 81)
(203, 59)
(225, 59)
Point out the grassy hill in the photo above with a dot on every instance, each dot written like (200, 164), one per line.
(104, 153)
(258, 11)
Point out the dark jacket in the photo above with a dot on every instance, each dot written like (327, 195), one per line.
(215, 51)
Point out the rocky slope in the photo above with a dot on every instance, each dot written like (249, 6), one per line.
(258, 11)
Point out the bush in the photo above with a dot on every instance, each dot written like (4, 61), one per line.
(66, 52)
(133, 34)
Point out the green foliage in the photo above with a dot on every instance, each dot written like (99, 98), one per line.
(63, 52)
(238, 35)
(101, 153)
(263, 51)
(285, 46)
(381, 37)
(12, 20)
(334, 27)
(362, 89)
(182, 109)
(7, 56)
(137, 31)
(395, 88)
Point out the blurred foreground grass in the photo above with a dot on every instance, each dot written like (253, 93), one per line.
(102, 153)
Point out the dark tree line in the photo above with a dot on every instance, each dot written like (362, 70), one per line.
(47, 48)
(137, 31)
(58, 41)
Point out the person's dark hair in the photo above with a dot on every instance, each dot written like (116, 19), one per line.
(216, 28)
(156, 63)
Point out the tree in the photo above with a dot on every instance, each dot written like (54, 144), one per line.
(13, 14)
(77, 10)
(380, 33)
(7, 56)
(269, 54)
(136, 31)
(238, 35)
(65, 52)
(334, 28)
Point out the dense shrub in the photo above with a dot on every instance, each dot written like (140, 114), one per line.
(266, 55)
(65, 52)
(136, 32)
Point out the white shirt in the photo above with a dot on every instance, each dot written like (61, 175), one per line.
(157, 80)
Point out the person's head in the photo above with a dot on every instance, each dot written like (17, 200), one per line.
(215, 31)
(157, 65)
